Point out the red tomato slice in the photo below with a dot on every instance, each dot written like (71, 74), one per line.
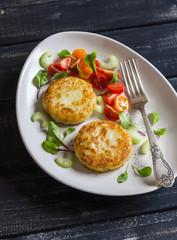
(107, 72)
(116, 88)
(52, 70)
(63, 63)
(97, 63)
(110, 113)
(121, 103)
(109, 97)
(101, 77)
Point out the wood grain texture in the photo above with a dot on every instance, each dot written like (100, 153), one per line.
(151, 226)
(160, 50)
(34, 20)
(33, 201)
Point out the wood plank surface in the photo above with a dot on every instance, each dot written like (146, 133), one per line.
(28, 20)
(160, 50)
(34, 205)
(156, 226)
(33, 201)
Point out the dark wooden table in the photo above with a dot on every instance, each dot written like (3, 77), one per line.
(32, 204)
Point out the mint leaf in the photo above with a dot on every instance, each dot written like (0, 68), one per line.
(160, 131)
(153, 118)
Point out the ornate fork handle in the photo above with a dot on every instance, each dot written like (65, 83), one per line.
(163, 172)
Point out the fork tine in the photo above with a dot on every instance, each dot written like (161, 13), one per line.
(138, 80)
(125, 79)
(134, 77)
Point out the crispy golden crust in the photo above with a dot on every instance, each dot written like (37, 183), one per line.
(103, 146)
(69, 100)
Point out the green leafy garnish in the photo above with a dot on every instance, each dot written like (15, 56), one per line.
(144, 172)
(153, 118)
(65, 53)
(54, 141)
(90, 60)
(69, 131)
(59, 75)
(114, 79)
(123, 177)
(125, 121)
(160, 131)
(40, 78)
(53, 133)
(50, 147)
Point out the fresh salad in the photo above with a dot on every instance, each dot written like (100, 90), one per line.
(111, 100)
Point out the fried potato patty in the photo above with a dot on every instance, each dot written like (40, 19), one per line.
(103, 146)
(69, 100)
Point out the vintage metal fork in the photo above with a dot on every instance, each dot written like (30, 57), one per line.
(162, 170)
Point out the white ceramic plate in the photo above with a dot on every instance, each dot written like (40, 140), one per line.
(162, 99)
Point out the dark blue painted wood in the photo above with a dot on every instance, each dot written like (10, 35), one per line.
(155, 226)
(30, 200)
(31, 20)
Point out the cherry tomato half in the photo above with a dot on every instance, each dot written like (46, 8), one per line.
(121, 103)
(52, 70)
(109, 97)
(63, 63)
(110, 113)
(97, 63)
(101, 77)
(116, 88)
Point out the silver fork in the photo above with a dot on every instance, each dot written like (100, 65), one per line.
(162, 170)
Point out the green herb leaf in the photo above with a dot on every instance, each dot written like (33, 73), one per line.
(153, 118)
(90, 60)
(125, 121)
(144, 172)
(123, 177)
(50, 147)
(160, 131)
(59, 75)
(40, 78)
(53, 131)
(69, 131)
(65, 53)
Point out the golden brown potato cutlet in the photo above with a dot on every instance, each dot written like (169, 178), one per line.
(103, 146)
(69, 100)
